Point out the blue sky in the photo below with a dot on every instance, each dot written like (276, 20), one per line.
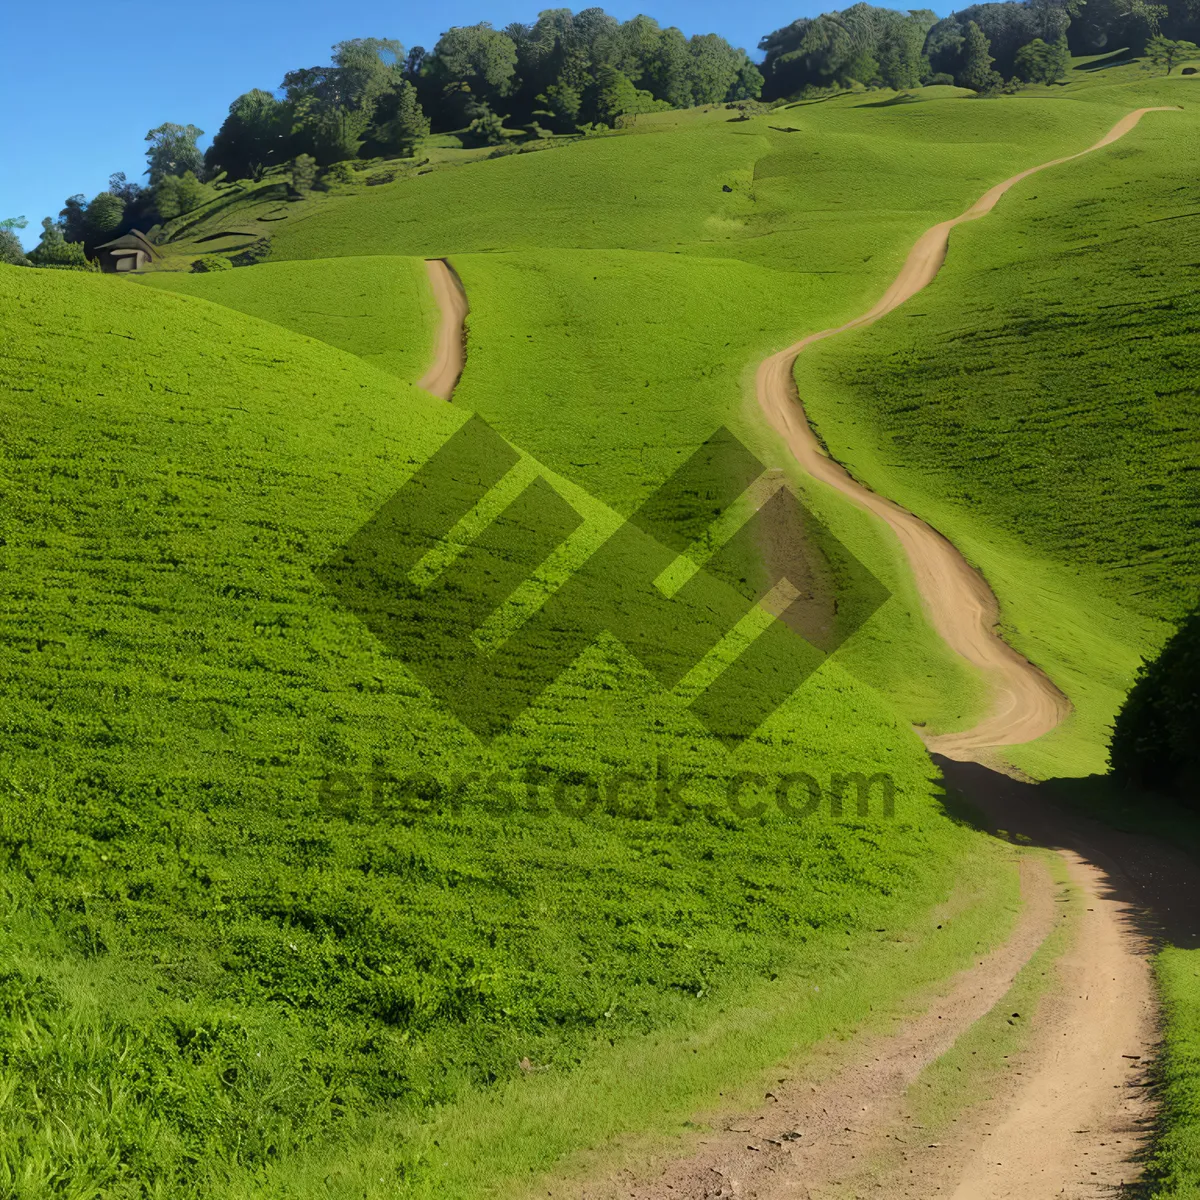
(83, 83)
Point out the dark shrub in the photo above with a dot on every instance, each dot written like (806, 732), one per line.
(1156, 738)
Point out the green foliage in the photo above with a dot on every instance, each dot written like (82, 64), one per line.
(482, 58)
(402, 130)
(1156, 738)
(747, 83)
(861, 43)
(335, 134)
(11, 250)
(338, 172)
(977, 70)
(72, 218)
(867, 44)
(1166, 53)
(1174, 1166)
(1040, 63)
(485, 130)
(211, 262)
(175, 195)
(173, 151)
(253, 136)
(367, 69)
(616, 96)
(53, 250)
(104, 216)
(304, 173)
(902, 59)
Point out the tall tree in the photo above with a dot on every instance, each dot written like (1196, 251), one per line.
(977, 66)
(128, 191)
(173, 151)
(714, 68)
(72, 217)
(1042, 63)
(11, 250)
(368, 67)
(105, 212)
(902, 60)
(254, 134)
(178, 194)
(400, 121)
(635, 47)
(479, 56)
(748, 83)
(1166, 53)
(669, 71)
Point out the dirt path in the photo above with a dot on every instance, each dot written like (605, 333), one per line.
(812, 1135)
(961, 606)
(450, 353)
(1072, 1121)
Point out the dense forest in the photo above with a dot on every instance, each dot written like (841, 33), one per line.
(585, 72)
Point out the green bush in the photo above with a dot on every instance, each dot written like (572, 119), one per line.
(304, 174)
(11, 250)
(1156, 738)
(941, 79)
(338, 172)
(55, 251)
(175, 195)
(486, 130)
(212, 262)
(256, 252)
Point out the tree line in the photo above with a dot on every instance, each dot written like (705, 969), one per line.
(985, 47)
(583, 72)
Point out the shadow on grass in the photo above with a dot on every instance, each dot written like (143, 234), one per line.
(1115, 59)
(891, 102)
(1147, 847)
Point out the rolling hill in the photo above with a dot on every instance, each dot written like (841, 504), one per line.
(279, 923)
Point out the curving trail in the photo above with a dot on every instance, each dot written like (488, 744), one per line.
(450, 352)
(1074, 1120)
(960, 605)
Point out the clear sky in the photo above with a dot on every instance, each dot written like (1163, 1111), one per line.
(82, 83)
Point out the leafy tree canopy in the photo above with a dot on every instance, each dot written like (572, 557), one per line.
(173, 151)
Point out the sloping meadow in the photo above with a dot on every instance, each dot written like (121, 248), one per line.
(259, 882)
(1037, 403)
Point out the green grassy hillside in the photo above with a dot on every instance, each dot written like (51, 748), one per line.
(1037, 404)
(846, 184)
(380, 310)
(260, 967)
(242, 957)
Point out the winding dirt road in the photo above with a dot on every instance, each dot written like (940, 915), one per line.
(450, 352)
(1073, 1120)
(960, 605)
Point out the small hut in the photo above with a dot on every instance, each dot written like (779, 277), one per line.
(129, 252)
